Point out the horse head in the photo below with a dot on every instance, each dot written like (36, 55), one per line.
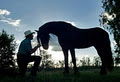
(43, 37)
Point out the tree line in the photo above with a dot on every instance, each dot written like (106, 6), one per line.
(47, 61)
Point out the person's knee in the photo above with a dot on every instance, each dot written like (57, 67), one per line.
(38, 58)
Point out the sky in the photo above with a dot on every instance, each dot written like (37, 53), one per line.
(17, 16)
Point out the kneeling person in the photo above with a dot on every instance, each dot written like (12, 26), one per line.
(24, 55)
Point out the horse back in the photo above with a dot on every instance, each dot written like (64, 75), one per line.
(84, 38)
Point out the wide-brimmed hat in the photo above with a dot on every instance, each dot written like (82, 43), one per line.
(28, 32)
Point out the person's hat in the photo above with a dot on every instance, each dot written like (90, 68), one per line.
(28, 32)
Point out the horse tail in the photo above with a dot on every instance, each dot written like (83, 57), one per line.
(109, 59)
(107, 51)
(104, 50)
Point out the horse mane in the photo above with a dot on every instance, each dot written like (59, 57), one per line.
(59, 25)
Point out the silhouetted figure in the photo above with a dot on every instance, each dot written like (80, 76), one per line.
(70, 37)
(24, 55)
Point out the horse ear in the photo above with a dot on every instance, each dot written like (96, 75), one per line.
(36, 30)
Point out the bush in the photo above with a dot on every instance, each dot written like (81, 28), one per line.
(7, 48)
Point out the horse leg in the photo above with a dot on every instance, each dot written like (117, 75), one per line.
(109, 59)
(102, 55)
(66, 70)
(103, 70)
(72, 51)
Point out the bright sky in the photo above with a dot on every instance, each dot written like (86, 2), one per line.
(17, 16)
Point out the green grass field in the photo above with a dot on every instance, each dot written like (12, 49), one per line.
(89, 75)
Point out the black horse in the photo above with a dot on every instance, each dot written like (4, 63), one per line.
(70, 37)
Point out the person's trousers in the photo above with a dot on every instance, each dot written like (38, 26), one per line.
(23, 60)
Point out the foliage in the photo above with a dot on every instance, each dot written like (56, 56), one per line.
(85, 61)
(61, 63)
(7, 48)
(110, 19)
(97, 61)
(46, 60)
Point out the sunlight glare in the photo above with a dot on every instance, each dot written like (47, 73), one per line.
(56, 55)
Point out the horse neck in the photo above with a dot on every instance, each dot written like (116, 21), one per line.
(54, 31)
(60, 30)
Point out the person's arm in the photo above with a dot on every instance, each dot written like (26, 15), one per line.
(35, 48)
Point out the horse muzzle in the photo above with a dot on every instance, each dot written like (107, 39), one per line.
(45, 46)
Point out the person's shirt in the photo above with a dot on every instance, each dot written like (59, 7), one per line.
(25, 47)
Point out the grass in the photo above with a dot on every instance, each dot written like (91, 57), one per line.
(58, 76)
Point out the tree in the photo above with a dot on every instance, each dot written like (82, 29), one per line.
(46, 60)
(88, 61)
(110, 19)
(7, 48)
(85, 61)
(97, 61)
(61, 63)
